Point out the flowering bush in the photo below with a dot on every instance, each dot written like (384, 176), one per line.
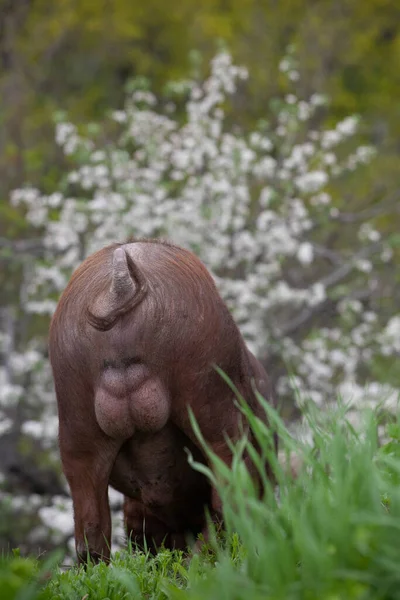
(260, 209)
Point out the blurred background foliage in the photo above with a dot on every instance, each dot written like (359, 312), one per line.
(78, 56)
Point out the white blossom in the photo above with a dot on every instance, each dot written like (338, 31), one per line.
(348, 126)
(305, 253)
(249, 203)
(312, 182)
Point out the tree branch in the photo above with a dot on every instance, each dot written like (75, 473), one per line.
(386, 206)
(330, 280)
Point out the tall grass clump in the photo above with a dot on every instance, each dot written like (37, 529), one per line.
(331, 532)
(128, 576)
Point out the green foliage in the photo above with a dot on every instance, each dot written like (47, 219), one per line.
(130, 576)
(78, 57)
(23, 578)
(331, 533)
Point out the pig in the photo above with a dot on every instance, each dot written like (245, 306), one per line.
(133, 344)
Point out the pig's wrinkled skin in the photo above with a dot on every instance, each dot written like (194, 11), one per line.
(133, 344)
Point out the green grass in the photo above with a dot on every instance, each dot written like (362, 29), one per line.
(333, 533)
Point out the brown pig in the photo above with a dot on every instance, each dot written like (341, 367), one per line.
(133, 344)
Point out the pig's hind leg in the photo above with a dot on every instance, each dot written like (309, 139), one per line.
(226, 422)
(146, 532)
(87, 456)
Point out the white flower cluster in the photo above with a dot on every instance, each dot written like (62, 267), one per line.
(247, 203)
(250, 204)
